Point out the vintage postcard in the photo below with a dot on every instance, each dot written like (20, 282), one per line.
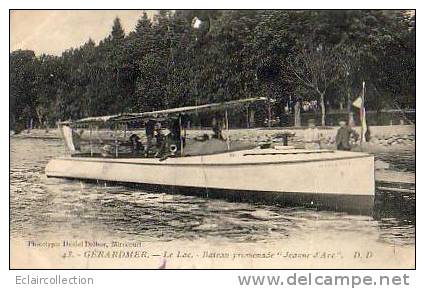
(217, 139)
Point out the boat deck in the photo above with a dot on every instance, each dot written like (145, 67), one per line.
(244, 157)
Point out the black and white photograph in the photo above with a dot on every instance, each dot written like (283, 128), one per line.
(212, 139)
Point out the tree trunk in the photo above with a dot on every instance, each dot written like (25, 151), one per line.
(297, 114)
(39, 113)
(269, 112)
(252, 118)
(349, 109)
(323, 108)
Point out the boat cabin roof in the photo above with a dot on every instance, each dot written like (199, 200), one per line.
(166, 113)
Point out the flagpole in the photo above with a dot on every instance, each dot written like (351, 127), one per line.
(360, 104)
(362, 113)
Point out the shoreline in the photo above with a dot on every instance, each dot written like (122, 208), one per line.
(391, 138)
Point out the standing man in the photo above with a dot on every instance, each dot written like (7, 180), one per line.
(150, 131)
(312, 136)
(343, 136)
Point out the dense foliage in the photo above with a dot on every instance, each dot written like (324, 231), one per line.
(194, 57)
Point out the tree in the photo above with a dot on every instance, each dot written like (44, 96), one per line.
(167, 62)
(317, 68)
(117, 33)
(48, 73)
(22, 76)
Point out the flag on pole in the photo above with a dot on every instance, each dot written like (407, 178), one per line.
(359, 103)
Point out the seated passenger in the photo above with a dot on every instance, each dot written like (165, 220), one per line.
(76, 139)
(161, 136)
(136, 144)
(176, 134)
(106, 151)
(217, 129)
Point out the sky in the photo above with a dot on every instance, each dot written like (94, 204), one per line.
(53, 31)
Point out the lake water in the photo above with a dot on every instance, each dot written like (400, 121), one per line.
(55, 207)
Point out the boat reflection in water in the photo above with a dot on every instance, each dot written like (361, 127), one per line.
(214, 165)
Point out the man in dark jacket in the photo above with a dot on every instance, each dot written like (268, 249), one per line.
(150, 131)
(343, 137)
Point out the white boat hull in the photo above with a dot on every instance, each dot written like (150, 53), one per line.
(322, 173)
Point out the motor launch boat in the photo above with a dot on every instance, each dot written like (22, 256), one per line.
(339, 180)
